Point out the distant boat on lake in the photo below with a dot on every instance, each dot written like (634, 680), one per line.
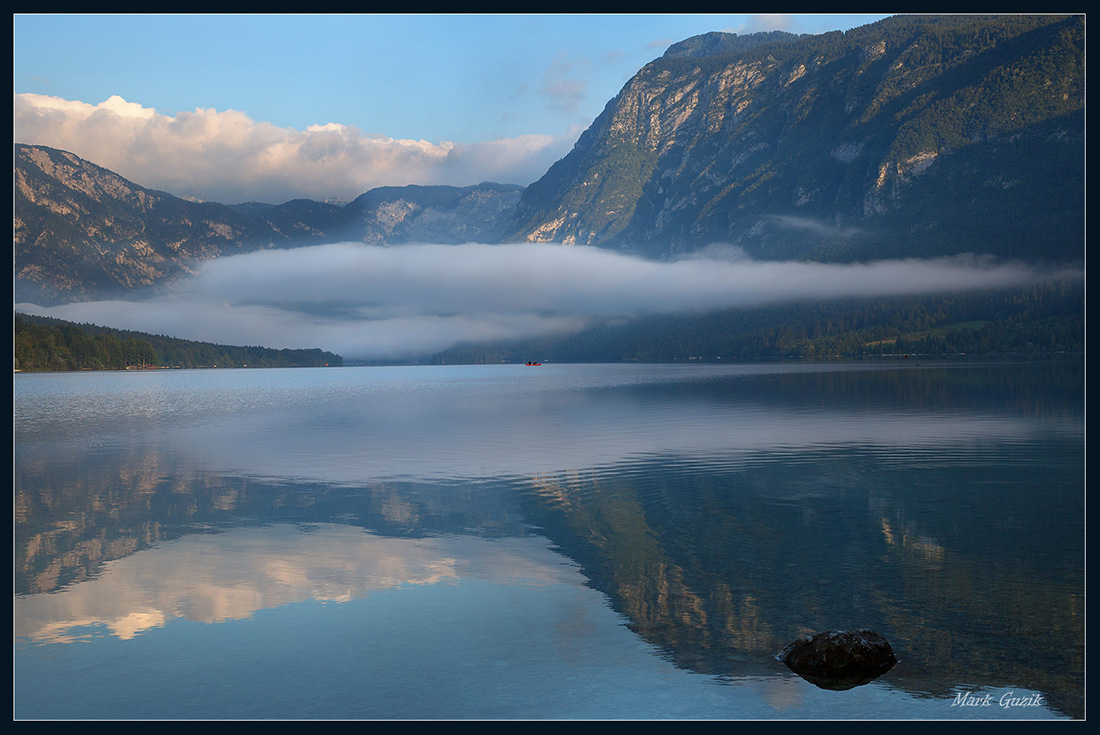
(533, 364)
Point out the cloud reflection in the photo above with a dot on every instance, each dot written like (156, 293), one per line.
(230, 576)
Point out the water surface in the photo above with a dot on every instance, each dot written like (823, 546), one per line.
(563, 541)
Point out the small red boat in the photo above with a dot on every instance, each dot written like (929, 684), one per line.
(533, 364)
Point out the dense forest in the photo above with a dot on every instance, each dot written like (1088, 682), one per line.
(1043, 319)
(45, 344)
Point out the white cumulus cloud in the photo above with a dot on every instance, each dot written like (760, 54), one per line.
(225, 156)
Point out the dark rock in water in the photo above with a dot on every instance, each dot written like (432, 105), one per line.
(839, 659)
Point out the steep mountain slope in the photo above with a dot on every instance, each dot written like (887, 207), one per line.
(911, 136)
(392, 215)
(83, 232)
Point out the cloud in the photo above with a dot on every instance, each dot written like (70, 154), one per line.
(767, 22)
(565, 92)
(225, 156)
(414, 300)
(794, 222)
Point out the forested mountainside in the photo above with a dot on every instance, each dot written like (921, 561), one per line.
(44, 344)
(1045, 319)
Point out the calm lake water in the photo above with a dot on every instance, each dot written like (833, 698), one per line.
(563, 541)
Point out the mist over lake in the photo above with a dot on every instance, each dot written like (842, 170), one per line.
(409, 302)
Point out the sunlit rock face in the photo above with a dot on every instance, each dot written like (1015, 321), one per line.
(839, 659)
(881, 141)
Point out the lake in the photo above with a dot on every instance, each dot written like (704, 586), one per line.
(551, 542)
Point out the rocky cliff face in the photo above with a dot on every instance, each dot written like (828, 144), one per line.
(83, 232)
(912, 136)
(437, 214)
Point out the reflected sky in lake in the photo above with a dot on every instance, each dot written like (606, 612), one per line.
(473, 422)
(555, 542)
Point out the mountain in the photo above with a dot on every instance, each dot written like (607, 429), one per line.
(913, 136)
(449, 215)
(83, 232)
(1046, 318)
(716, 43)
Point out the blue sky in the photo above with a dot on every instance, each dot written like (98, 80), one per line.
(488, 97)
(453, 77)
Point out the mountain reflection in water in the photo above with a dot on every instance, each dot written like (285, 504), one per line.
(723, 512)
